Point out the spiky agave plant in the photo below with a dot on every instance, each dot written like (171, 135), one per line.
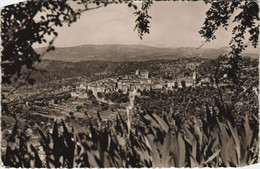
(216, 143)
(20, 152)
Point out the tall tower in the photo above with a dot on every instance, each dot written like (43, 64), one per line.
(194, 78)
(137, 72)
(146, 75)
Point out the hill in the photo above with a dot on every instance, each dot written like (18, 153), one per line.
(119, 53)
(48, 70)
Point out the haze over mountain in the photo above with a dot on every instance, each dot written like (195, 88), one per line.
(130, 53)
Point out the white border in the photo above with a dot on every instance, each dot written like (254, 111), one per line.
(9, 2)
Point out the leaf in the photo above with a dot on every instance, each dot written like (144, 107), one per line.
(182, 151)
(237, 143)
(165, 151)
(248, 131)
(162, 123)
(121, 141)
(36, 158)
(213, 156)
(55, 33)
(123, 122)
(156, 160)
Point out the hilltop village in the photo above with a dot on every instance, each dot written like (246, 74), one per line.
(183, 86)
(168, 77)
(139, 80)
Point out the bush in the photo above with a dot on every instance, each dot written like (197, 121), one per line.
(73, 117)
(78, 108)
(152, 142)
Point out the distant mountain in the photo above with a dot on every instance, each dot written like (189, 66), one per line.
(128, 53)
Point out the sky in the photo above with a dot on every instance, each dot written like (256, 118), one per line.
(173, 24)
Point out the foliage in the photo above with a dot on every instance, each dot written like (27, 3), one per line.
(157, 142)
(245, 15)
(154, 141)
(20, 30)
(142, 21)
(27, 23)
(20, 152)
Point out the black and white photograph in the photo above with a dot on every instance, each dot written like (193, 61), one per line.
(129, 84)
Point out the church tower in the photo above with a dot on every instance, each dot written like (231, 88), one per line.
(194, 78)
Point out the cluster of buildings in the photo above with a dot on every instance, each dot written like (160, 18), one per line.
(140, 80)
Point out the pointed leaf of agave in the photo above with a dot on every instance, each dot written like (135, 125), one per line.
(155, 154)
(246, 142)
(229, 150)
(248, 132)
(223, 131)
(175, 151)
(143, 153)
(193, 162)
(118, 126)
(225, 145)
(225, 154)
(150, 123)
(182, 151)
(147, 143)
(191, 139)
(128, 123)
(208, 114)
(106, 160)
(236, 142)
(56, 145)
(70, 148)
(55, 133)
(165, 151)
(213, 156)
(121, 141)
(189, 136)
(194, 149)
(210, 146)
(94, 134)
(123, 122)
(161, 122)
(12, 138)
(14, 132)
(45, 140)
(199, 132)
(37, 160)
(93, 160)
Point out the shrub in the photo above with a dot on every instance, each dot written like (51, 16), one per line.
(73, 117)
(152, 142)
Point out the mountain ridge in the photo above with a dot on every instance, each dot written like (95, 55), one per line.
(118, 52)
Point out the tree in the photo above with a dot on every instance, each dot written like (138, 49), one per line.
(20, 29)
(124, 99)
(99, 94)
(90, 93)
(78, 108)
(245, 14)
(175, 85)
(183, 84)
